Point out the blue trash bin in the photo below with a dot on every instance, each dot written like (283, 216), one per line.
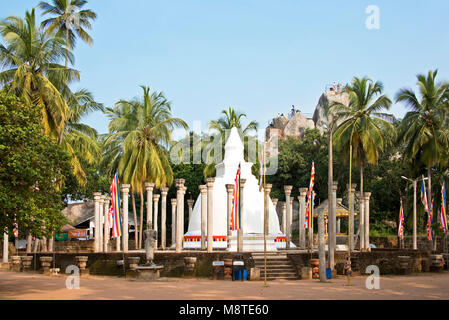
(328, 273)
(245, 275)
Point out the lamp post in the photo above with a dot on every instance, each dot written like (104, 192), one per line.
(415, 187)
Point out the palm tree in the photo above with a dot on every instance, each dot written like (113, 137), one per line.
(68, 20)
(80, 140)
(363, 124)
(30, 60)
(139, 135)
(222, 126)
(424, 130)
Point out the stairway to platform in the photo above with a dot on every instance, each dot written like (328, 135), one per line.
(279, 266)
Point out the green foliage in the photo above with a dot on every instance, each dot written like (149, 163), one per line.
(31, 170)
(295, 164)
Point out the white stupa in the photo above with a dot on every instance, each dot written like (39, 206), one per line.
(252, 211)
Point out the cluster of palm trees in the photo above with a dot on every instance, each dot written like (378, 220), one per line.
(30, 56)
(422, 137)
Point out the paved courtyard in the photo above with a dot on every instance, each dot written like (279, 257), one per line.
(34, 286)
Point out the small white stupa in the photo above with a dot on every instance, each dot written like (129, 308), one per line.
(252, 211)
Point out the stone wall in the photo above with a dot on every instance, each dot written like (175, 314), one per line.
(386, 259)
(393, 243)
(106, 263)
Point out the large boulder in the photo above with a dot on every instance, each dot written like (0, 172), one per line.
(326, 99)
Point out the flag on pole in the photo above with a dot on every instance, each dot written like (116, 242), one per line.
(443, 209)
(401, 222)
(262, 168)
(424, 197)
(429, 223)
(16, 227)
(114, 209)
(309, 207)
(236, 210)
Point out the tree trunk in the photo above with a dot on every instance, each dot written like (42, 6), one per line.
(141, 219)
(135, 220)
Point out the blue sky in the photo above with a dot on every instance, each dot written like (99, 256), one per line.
(258, 56)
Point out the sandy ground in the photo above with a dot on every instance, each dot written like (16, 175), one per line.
(34, 286)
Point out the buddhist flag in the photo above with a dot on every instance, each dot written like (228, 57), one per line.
(15, 230)
(236, 209)
(309, 208)
(114, 209)
(443, 209)
(401, 222)
(429, 223)
(424, 197)
(262, 168)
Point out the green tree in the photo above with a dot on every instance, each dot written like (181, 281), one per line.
(364, 126)
(69, 21)
(140, 131)
(80, 140)
(29, 58)
(424, 130)
(31, 170)
(295, 163)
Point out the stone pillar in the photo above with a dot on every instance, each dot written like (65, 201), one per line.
(291, 213)
(107, 228)
(332, 226)
(156, 198)
(230, 191)
(44, 244)
(190, 204)
(179, 214)
(149, 187)
(101, 230)
(284, 218)
(36, 244)
(97, 196)
(288, 232)
(361, 230)
(267, 191)
(51, 242)
(173, 221)
(351, 213)
(367, 199)
(302, 216)
(338, 225)
(125, 234)
(210, 207)
(311, 224)
(240, 232)
(164, 192)
(29, 240)
(5, 248)
(118, 244)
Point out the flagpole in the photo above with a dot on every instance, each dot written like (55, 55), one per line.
(265, 207)
(349, 218)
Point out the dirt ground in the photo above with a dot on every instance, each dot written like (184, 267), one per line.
(24, 286)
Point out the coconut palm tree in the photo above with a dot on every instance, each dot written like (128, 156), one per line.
(139, 135)
(363, 125)
(80, 140)
(29, 59)
(230, 118)
(68, 21)
(424, 130)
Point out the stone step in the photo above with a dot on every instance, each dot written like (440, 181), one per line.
(281, 278)
(270, 268)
